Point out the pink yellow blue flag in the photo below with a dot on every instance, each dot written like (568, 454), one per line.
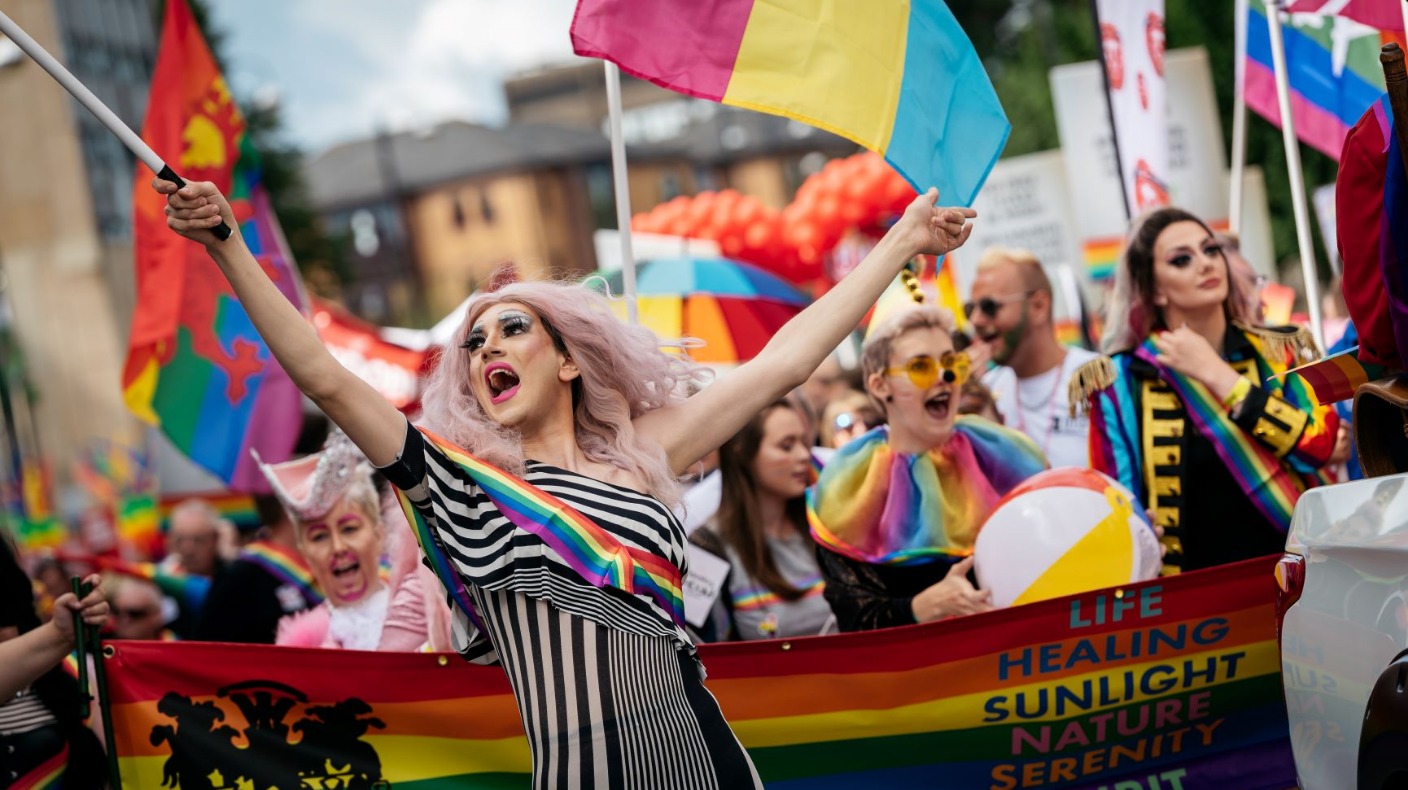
(900, 78)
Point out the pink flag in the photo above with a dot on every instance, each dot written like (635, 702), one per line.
(1381, 14)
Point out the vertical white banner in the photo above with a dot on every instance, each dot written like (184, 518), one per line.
(1132, 50)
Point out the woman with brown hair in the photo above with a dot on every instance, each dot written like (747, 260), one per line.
(1191, 399)
(773, 587)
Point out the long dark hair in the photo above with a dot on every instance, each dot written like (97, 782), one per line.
(739, 520)
(1133, 314)
(56, 689)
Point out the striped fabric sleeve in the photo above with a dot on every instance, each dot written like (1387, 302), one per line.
(1302, 435)
(1114, 438)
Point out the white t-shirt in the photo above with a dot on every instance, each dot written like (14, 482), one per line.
(1039, 407)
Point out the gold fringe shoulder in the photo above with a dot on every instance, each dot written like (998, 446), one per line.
(1092, 377)
(1283, 342)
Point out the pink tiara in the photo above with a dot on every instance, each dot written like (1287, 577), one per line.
(311, 486)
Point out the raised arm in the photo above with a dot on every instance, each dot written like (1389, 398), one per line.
(368, 419)
(690, 429)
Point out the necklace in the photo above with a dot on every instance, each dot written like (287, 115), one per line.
(1049, 403)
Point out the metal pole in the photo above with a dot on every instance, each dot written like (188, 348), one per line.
(1298, 201)
(1239, 121)
(622, 188)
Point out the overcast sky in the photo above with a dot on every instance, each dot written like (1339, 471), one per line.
(342, 66)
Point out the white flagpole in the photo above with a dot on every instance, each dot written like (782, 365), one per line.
(1298, 202)
(1239, 120)
(622, 188)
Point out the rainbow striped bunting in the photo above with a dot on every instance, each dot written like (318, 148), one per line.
(593, 553)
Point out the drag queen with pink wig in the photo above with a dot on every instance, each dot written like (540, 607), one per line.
(540, 484)
(343, 532)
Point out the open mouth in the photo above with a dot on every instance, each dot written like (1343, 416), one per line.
(342, 568)
(940, 405)
(502, 381)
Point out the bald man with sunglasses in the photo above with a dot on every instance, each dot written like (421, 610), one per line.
(1011, 312)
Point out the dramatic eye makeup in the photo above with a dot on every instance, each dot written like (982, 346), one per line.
(1184, 256)
(514, 322)
(511, 322)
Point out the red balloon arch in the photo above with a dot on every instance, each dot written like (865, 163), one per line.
(860, 193)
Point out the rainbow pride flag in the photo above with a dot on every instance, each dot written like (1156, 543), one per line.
(1101, 256)
(188, 589)
(1338, 376)
(195, 366)
(1177, 679)
(238, 508)
(900, 78)
(1334, 73)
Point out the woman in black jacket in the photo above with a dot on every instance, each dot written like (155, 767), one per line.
(42, 725)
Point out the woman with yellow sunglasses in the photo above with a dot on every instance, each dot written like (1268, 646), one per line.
(896, 511)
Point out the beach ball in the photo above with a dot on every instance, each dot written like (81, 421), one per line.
(1061, 532)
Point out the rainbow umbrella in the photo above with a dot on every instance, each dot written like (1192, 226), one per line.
(733, 307)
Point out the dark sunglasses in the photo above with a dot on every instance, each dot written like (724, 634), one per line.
(989, 305)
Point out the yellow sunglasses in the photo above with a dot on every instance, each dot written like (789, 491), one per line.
(924, 370)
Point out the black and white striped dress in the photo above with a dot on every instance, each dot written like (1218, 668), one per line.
(608, 685)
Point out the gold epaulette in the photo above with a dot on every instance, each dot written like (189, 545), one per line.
(1281, 341)
(1092, 377)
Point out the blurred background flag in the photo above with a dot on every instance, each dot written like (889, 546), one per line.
(1380, 14)
(1132, 54)
(195, 366)
(900, 78)
(1333, 65)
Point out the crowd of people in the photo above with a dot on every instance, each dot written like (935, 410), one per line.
(834, 499)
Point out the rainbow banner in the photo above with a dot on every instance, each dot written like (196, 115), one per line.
(1166, 684)
(900, 78)
(1334, 73)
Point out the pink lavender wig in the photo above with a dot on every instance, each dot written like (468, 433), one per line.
(624, 374)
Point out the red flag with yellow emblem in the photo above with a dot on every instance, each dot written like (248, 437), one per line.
(195, 365)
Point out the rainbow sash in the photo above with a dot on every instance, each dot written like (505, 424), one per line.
(761, 597)
(881, 507)
(285, 565)
(1266, 479)
(48, 775)
(596, 556)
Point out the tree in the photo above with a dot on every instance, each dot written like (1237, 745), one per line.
(1021, 40)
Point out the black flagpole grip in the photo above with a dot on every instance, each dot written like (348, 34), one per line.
(221, 231)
